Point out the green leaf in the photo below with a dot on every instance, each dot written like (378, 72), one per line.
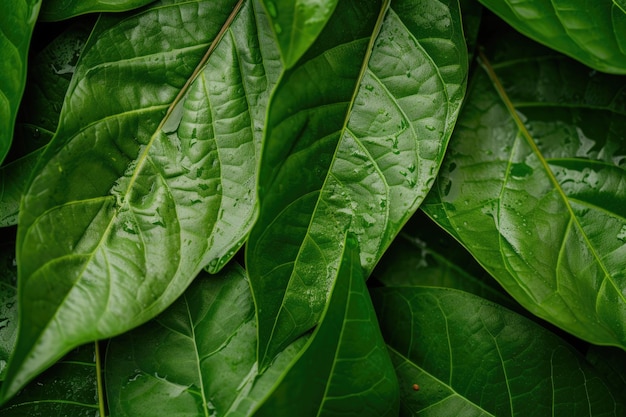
(49, 76)
(149, 178)
(297, 24)
(591, 31)
(16, 26)
(350, 150)
(8, 299)
(470, 357)
(69, 388)
(422, 255)
(53, 10)
(533, 186)
(198, 358)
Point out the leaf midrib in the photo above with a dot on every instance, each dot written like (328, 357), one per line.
(486, 65)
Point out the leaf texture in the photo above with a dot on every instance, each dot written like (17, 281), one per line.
(590, 31)
(458, 354)
(17, 21)
(150, 176)
(53, 10)
(533, 186)
(198, 358)
(350, 151)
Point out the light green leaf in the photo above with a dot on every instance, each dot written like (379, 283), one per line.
(149, 178)
(17, 21)
(297, 24)
(469, 357)
(350, 150)
(53, 10)
(534, 186)
(591, 31)
(198, 358)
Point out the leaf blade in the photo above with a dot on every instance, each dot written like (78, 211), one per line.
(523, 194)
(369, 163)
(16, 27)
(143, 207)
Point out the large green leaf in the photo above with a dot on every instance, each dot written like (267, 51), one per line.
(52, 10)
(149, 178)
(591, 31)
(297, 24)
(533, 186)
(350, 149)
(198, 358)
(8, 299)
(16, 26)
(457, 354)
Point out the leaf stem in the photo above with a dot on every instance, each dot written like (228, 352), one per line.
(99, 380)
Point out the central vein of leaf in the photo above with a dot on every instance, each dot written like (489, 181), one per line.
(486, 64)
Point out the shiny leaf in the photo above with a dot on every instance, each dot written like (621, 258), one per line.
(52, 10)
(534, 186)
(350, 151)
(457, 354)
(591, 31)
(149, 178)
(8, 299)
(16, 26)
(199, 357)
(297, 24)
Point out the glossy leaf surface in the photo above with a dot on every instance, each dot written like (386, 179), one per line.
(370, 143)
(8, 300)
(297, 24)
(149, 178)
(53, 10)
(68, 388)
(593, 32)
(470, 357)
(16, 26)
(534, 186)
(199, 357)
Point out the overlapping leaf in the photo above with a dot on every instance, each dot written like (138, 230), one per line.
(198, 358)
(338, 157)
(16, 26)
(459, 355)
(297, 24)
(53, 10)
(49, 77)
(149, 178)
(534, 186)
(590, 31)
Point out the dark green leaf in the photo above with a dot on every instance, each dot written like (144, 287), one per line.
(533, 186)
(49, 77)
(149, 177)
(8, 300)
(350, 150)
(16, 26)
(69, 388)
(344, 369)
(198, 358)
(297, 24)
(424, 256)
(470, 357)
(591, 31)
(52, 10)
